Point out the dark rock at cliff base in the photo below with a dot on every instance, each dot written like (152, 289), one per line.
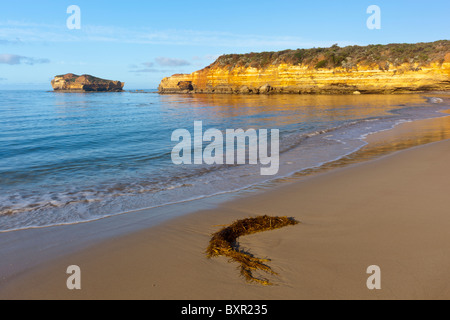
(86, 83)
(185, 85)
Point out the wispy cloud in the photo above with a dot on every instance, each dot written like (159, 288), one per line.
(14, 59)
(145, 67)
(29, 32)
(148, 70)
(148, 67)
(209, 57)
(169, 62)
(3, 79)
(6, 42)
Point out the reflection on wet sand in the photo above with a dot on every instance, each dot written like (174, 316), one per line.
(404, 136)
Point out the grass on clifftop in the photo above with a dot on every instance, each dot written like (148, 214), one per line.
(224, 243)
(73, 77)
(347, 57)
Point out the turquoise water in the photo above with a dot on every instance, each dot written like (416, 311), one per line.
(68, 158)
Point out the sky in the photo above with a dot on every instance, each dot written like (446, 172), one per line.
(140, 42)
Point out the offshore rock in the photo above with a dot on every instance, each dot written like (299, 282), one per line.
(86, 83)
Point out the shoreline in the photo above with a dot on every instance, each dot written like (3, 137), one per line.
(344, 152)
(128, 235)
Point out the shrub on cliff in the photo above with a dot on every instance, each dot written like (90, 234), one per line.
(345, 57)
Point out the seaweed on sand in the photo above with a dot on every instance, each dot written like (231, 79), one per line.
(224, 243)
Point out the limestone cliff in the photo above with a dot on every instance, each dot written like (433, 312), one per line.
(85, 83)
(393, 68)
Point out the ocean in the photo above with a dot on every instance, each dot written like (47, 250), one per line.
(69, 158)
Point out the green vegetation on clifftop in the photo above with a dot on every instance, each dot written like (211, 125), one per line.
(346, 57)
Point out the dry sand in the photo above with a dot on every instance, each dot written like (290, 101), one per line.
(393, 212)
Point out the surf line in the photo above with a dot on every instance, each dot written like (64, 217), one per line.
(189, 149)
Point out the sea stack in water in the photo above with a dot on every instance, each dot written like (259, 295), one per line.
(86, 83)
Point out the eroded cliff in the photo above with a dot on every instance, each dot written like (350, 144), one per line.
(85, 83)
(393, 68)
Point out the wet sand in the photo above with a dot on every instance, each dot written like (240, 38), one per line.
(392, 212)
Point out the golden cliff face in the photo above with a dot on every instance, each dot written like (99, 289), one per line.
(285, 78)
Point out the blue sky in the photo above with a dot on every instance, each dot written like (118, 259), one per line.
(140, 42)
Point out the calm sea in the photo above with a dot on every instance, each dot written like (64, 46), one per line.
(68, 158)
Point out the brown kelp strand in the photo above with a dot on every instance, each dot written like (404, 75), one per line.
(224, 243)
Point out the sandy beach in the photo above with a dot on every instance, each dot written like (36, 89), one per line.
(204, 156)
(392, 212)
